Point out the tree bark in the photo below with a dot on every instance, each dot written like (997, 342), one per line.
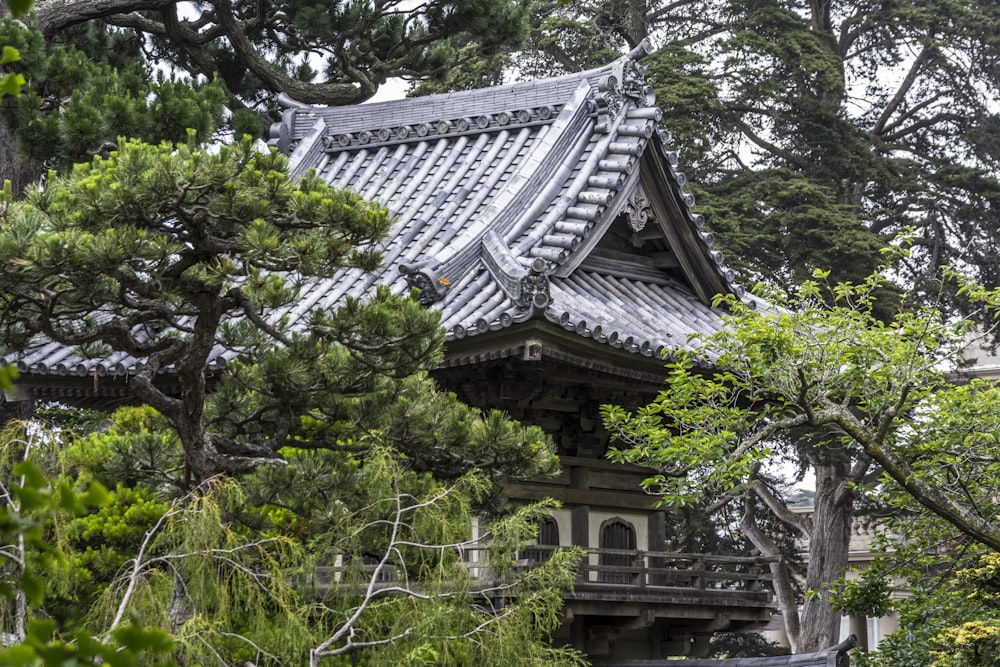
(816, 626)
(56, 15)
(784, 591)
(828, 552)
(14, 167)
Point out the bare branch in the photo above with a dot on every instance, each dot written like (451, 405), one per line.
(901, 92)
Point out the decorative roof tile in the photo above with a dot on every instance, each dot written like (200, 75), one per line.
(557, 199)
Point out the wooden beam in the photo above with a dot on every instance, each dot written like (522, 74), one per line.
(591, 497)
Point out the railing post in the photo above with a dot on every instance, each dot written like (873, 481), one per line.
(698, 573)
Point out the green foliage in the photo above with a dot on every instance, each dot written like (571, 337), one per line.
(779, 226)
(743, 645)
(77, 103)
(137, 445)
(10, 82)
(260, 50)
(959, 625)
(873, 390)
(37, 502)
(554, 43)
(789, 364)
(155, 236)
(867, 595)
(974, 643)
(130, 646)
(410, 532)
(220, 568)
(689, 98)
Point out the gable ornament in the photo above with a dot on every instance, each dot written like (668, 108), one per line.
(638, 210)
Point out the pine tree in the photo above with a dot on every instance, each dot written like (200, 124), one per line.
(171, 253)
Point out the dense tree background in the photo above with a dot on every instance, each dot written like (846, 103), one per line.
(813, 132)
(150, 69)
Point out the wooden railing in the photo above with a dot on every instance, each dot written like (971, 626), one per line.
(658, 569)
(628, 571)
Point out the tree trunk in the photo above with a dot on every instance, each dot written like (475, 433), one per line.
(784, 591)
(14, 167)
(816, 626)
(638, 29)
(828, 551)
(55, 15)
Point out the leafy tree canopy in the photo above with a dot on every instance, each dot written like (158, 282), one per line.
(151, 69)
(94, 86)
(317, 52)
(876, 388)
(819, 379)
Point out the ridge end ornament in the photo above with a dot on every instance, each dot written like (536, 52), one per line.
(432, 288)
(533, 289)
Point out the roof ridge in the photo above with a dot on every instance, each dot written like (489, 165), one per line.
(522, 103)
(512, 204)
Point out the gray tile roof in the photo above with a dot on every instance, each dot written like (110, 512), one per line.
(503, 198)
(502, 194)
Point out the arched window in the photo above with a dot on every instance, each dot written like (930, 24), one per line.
(619, 535)
(548, 536)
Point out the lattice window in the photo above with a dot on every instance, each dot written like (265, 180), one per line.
(616, 534)
(548, 536)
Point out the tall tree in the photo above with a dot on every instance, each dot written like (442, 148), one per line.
(814, 132)
(173, 255)
(101, 70)
(262, 48)
(89, 89)
(874, 397)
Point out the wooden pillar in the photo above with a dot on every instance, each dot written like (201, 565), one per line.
(657, 531)
(580, 536)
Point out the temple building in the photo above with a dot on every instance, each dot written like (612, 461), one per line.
(549, 224)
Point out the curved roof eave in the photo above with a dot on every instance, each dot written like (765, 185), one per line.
(500, 195)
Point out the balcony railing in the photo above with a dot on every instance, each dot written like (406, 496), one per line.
(644, 569)
(606, 573)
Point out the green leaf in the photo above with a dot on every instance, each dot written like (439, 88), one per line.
(33, 476)
(137, 639)
(33, 587)
(10, 84)
(10, 55)
(96, 495)
(19, 7)
(20, 655)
